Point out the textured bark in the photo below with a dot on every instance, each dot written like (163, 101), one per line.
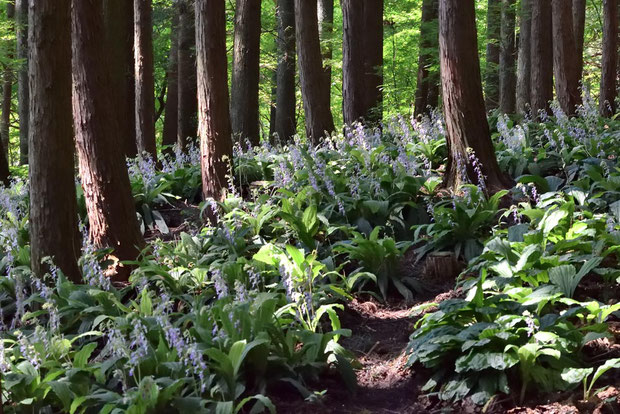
(507, 73)
(7, 85)
(4, 166)
(579, 23)
(144, 76)
(23, 96)
(319, 120)
(466, 120)
(610, 58)
(214, 117)
(109, 203)
(188, 93)
(565, 57)
(428, 52)
(325, 14)
(246, 71)
(285, 123)
(171, 120)
(373, 59)
(53, 207)
(541, 81)
(118, 22)
(524, 66)
(491, 76)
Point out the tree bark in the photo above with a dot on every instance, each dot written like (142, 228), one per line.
(285, 123)
(144, 76)
(53, 207)
(491, 76)
(507, 74)
(188, 93)
(171, 120)
(319, 120)
(428, 50)
(579, 23)
(565, 57)
(610, 58)
(524, 66)
(23, 97)
(373, 59)
(214, 117)
(246, 72)
(541, 81)
(118, 21)
(325, 14)
(7, 85)
(466, 121)
(4, 167)
(109, 203)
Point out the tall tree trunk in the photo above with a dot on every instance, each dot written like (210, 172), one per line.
(246, 71)
(145, 77)
(524, 66)
(188, 93)
(428, 49)
(7, 85)
(491, 75)
(507, 74)
(325, 14)
(610, 58)
(118, 21)
(109, 203)
(4, 167)
(565, 57)
(466, 121)
(171, 120)
(53, 207)
(541, 81)
(23, 97)
(373, 59)
(319, 120)
(214, 117)
(286, 124)
(579, 24)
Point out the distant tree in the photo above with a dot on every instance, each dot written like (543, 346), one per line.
(524, 64)
(541, 81)
(53, 207)
(507, 55)
(427, 60)
(23, 99)
(188, 92)
(171, 120)
(214, 117)
(579, 23)
(565, 57)
(325, 14)
(4, 166)
(285, 125)
(491, 72)
(7, 83)
(610, 58)
(109, 203)
(246, 71)
(319, 120)
(466, 121)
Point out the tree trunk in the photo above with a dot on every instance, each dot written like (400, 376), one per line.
(507, 75)
(214, 117)
(246, 72)
(579, 23)
(118, 17)
(466, 121)
(325, 14)
(565, 57)
(428, 49)
(541, 81)
(491, 76)
(610, 58)
(171, 120)
(524, 66)
(7, 85)
(188, 93)
(319, 120)
(23, 97)
(286, 124)
(4, 167)
(53, 207)
(373, 60)
(109, 203)
(144, 75)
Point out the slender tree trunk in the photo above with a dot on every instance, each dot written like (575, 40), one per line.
(145, 77)
(53, 207)
(325, 14)
(466, 121)
(565, 57)
(4, 167)
(428, 49)
(171, 120)
(246, 71)
(610, 58)
(319, 120)
(286, 124)
(373, 60)
(524, 66)
(541, 81)
(579, 24)
(118, 17)
(23, 97)
(491, 76)
(7, 85)
(110, 206)
(188, 93)
(214, 117)
(507, 74)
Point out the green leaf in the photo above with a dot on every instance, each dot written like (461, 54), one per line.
(81, 357)
(575, 375)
